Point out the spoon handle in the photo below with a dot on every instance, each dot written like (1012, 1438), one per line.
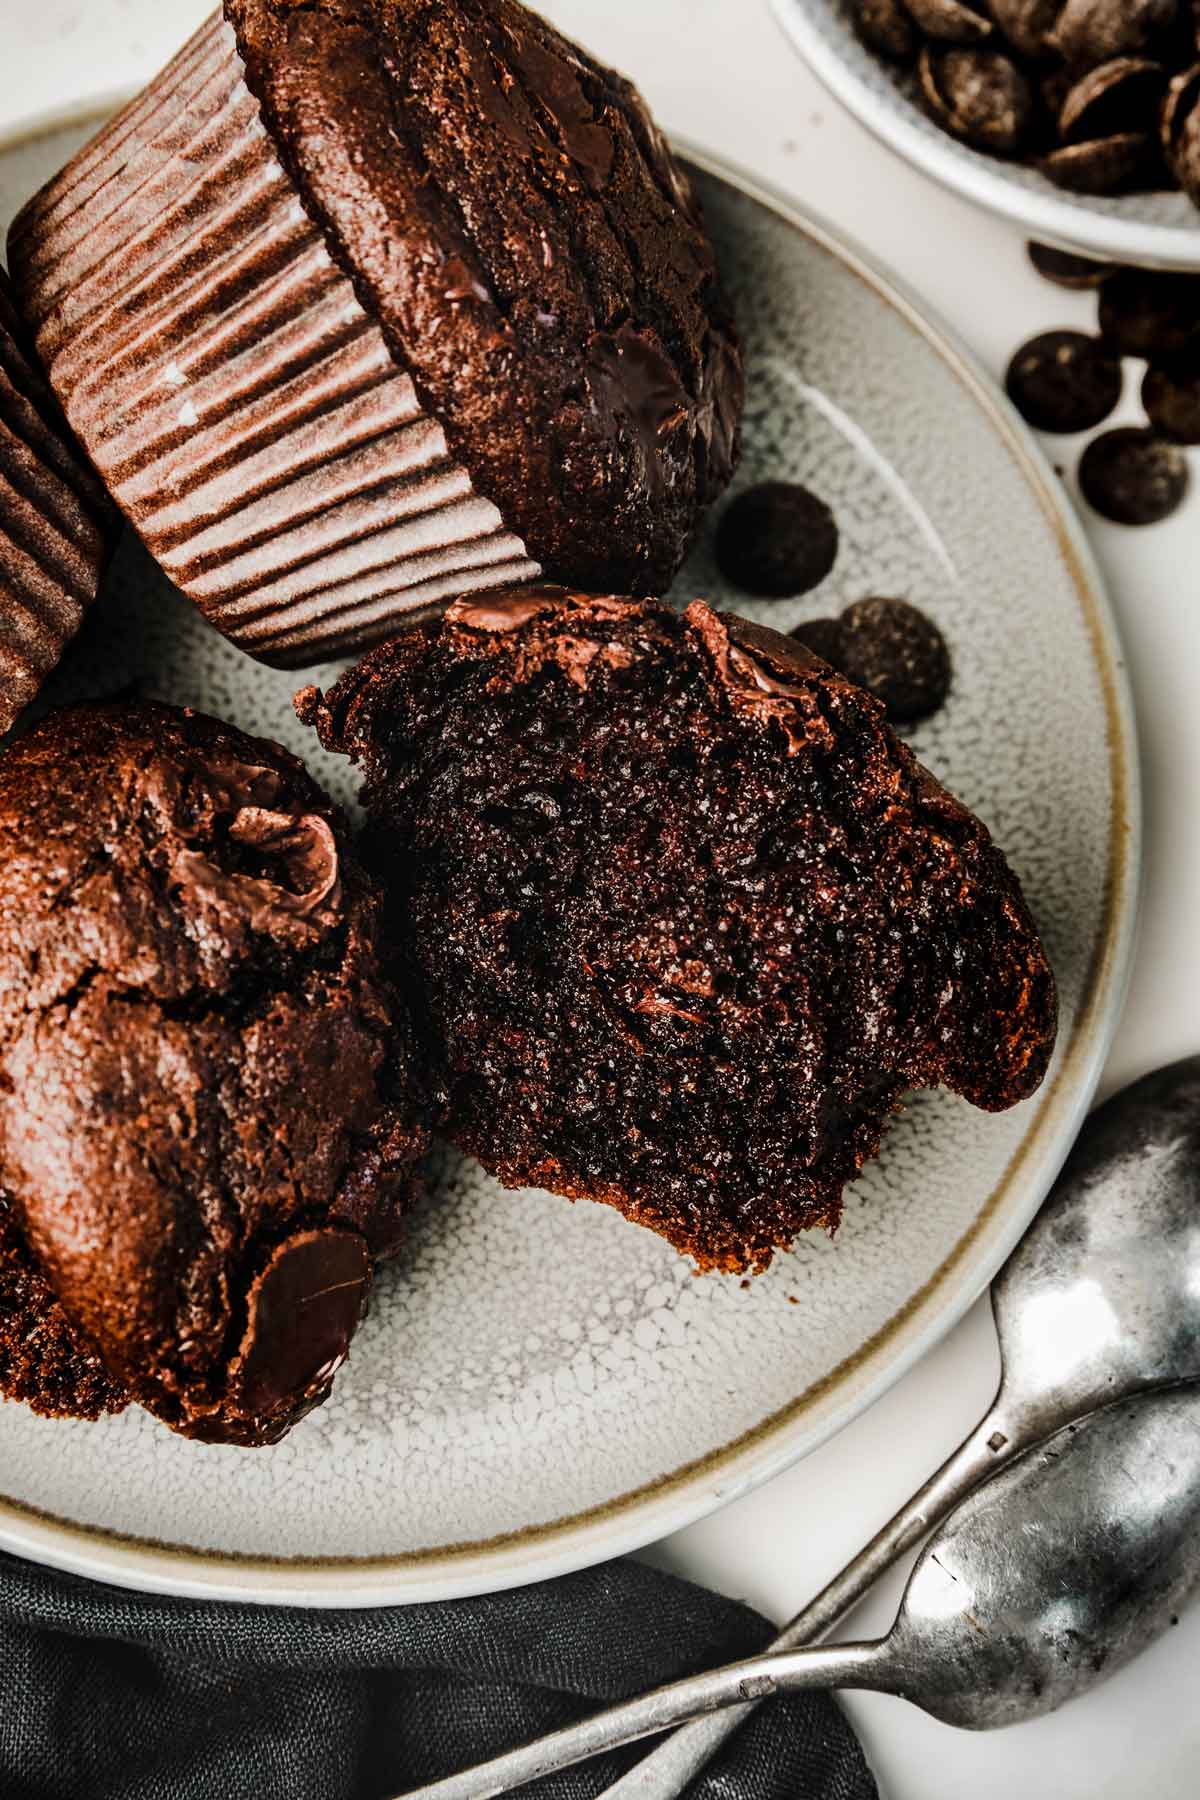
(666, 1771)
(845, 1665)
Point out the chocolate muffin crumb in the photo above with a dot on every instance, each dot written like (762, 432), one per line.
(45, 1361)
(776, 540)
(1064, 381)
(1133, 476)
(685, 917)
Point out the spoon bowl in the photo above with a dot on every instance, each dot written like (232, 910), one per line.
(1051, 1577)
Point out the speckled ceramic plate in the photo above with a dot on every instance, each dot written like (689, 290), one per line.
(1161, 230)
(541, 1386)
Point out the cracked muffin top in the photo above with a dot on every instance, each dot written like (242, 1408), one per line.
(207, 1126)
(685, 916)
(513, 218)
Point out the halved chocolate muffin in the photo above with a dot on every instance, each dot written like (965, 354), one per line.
(683, 916)
(208, 1125)
(56, 525)
(366, 304)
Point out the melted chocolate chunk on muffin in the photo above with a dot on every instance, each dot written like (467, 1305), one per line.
(515, 221)
(685, 917)
(207, 1134)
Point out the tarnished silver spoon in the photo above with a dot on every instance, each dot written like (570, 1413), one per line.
(1100, 1299)
(1047, 1580)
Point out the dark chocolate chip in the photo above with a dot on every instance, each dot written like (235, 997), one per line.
(304, 1309)
(1064, 381)
(1181, 130)
(1133, 476)
(1146, 313)
(1171, 397)
(823, 637)
(1108, 165)
(1093, 31)
(1026, 23)
(951, 21)
(898, 654)
(777, 539)
(1114, 99)
(978, 95)
(1066, 270)
(886, 27)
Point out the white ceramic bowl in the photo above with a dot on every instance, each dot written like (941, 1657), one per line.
(1157, 230)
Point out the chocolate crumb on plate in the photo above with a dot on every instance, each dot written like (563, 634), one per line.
(1145, 312)
(1133, 476)
(1064, 381)
(777, 539)
(1171, 397)
(1066, 270)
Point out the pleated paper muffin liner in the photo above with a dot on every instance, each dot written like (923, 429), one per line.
(54, 528)
(239, 401)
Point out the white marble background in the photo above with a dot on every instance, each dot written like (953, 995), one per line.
(718, 71)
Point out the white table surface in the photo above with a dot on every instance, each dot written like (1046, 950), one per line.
(720, 72)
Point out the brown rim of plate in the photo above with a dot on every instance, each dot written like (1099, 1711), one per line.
(700, 1487)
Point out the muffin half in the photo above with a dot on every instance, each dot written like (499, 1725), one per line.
(683, 916)
(362, 306)
(208, 1125)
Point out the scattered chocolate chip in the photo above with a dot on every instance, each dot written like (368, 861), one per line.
(1146, 313)
(1181, 130)
(1133, 476)
(1066, 270)
(823, 637)
(978, 95)
(777, 539)
(951, 21)
(898, 654)
(886, 27)
(1064, 381)
(1171, 397)
(1093, 31)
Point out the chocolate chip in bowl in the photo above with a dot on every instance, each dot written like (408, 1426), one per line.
(978, 94)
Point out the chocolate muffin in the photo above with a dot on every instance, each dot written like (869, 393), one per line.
(366, 304)
(684, 917)
(207, 1123)
(56, 525)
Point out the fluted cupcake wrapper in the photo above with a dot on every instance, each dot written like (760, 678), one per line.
(239, 401)
(53, 537)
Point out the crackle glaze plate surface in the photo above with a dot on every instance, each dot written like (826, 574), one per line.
(541, 1386)
(1158, 229)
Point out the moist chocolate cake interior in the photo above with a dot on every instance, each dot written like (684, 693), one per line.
(685, 916)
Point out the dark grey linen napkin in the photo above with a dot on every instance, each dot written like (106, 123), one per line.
(106, 1695)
